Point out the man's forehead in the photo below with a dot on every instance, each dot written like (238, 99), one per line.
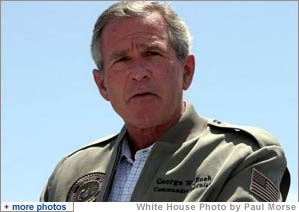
(143, 43)
(148, 36)
(125, 34)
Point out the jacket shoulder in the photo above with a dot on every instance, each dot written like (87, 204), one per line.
(263, 139)
(101, 141)
(261, 136)
(71, 165)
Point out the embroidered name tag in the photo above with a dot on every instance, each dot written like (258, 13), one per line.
(182, 186)
(86, 188)
(262, 187)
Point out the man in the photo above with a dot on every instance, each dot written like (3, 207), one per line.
(165, 151)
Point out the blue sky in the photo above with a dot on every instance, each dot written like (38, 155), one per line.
(246, 73)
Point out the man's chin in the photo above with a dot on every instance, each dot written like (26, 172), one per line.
(143, 122)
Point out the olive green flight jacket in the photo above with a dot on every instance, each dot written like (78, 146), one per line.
(196, 160)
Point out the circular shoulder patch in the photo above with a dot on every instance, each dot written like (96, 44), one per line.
(86, 188)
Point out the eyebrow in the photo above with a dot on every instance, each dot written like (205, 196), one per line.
(144, 47)
(154, 46)
(118, 54)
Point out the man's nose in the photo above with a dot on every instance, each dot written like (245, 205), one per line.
(138, 70)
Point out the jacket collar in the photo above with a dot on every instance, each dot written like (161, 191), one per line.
(189, 126)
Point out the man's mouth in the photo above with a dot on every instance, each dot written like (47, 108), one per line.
(143, 94)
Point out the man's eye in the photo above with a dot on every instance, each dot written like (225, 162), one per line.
(152, 53)
(122, 59)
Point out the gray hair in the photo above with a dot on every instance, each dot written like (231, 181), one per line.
(179, 35)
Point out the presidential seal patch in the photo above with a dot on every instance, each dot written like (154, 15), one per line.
(262, 187)
(86, 188)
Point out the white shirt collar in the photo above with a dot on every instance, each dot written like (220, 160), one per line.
(126, 151)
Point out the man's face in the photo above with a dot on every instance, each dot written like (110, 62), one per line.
(141, 76)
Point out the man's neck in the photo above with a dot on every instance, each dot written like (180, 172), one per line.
(141, 138)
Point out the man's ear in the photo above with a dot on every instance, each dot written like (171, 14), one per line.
(99, 79)
(189, 67)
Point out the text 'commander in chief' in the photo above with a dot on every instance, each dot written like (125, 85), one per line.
(165, 150)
